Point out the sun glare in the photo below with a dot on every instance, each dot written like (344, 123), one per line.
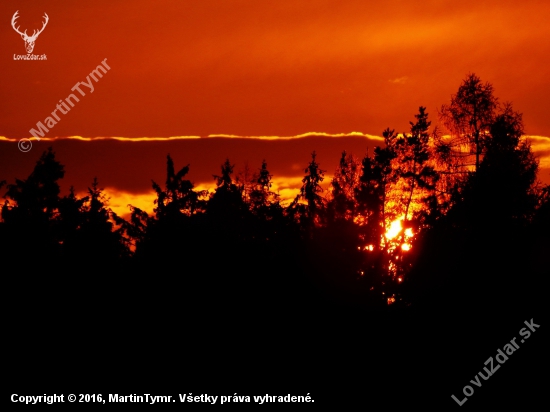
(394, 229)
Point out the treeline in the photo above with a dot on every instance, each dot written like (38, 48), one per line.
(426, 220)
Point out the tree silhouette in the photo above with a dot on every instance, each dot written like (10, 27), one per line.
(489, 225)
(245, 181)
(412, 157)
(35, 199)
(171, 230)
(29, 210)
(502, 191)
(70, 219)
(227, 201)
(342, 204)
(469, 117)
(92, 230)
(373, 194)
(263, 201)
(178, 198)
(136, 229)
(310, 192)
(377, 178)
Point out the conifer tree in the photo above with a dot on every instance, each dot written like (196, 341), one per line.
(310, 191)
(261, 195)
(346, 178)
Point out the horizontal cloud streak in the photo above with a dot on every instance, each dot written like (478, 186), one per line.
(221, 136)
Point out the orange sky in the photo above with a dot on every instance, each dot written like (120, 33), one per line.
(256, 68)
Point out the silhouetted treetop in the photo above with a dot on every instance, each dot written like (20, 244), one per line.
(311, 188)
(470, 114)
(342, 204)
(35, 198)
(178, 197)
(261, 194)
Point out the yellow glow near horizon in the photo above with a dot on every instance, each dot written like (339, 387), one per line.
(119, 201)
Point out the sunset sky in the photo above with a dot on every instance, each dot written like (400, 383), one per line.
(254, 68)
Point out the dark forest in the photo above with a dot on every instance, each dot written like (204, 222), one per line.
(439, 220)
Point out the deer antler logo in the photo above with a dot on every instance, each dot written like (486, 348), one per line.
(29, 40)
